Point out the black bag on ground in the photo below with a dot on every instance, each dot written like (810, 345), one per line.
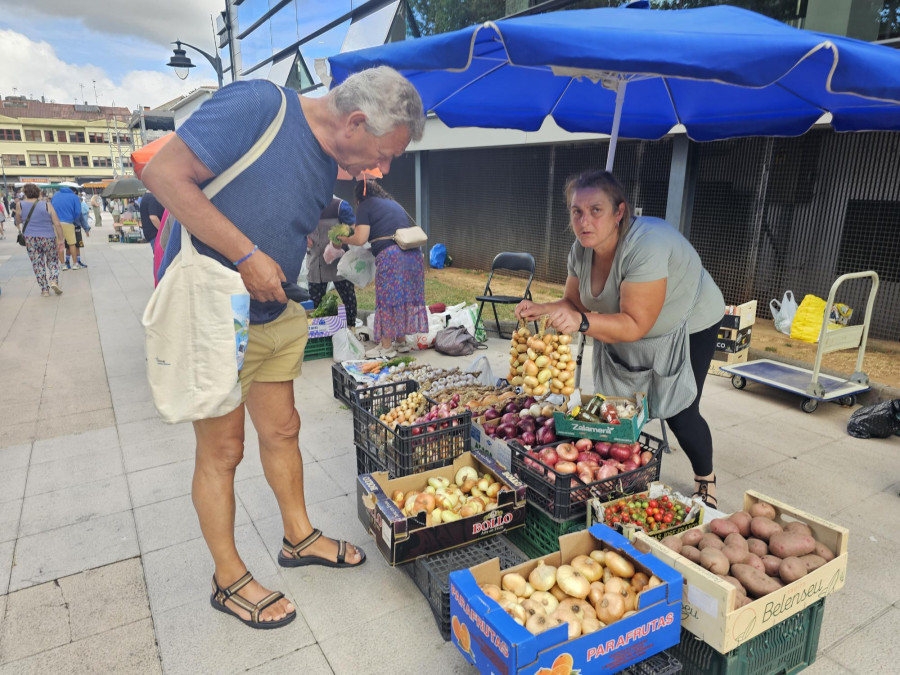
(456, 341)
(876, 421)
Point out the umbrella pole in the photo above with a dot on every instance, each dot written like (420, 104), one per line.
(617, 117)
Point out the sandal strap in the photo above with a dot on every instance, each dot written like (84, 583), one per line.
(295, 549)
(263, 604)
(224, 593)
(342, 549)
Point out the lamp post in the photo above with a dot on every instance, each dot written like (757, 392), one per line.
(182, 63)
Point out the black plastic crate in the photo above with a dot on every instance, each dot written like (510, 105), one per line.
(432, 573)
(540, 534)
(785, 648)
(404, 451)
(565, 496)
(365, 463)
(658, 664)
(342, 384)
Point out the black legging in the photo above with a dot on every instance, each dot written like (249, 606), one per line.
(347, 292)
(689, 427)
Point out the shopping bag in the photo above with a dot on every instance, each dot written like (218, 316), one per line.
(357, 266)
(346, 346)
(464, 315)
(783, 312)
(808, 321)
(482, 366)
(426, 340)
(332, 253)
(840, 314)
(456, 341)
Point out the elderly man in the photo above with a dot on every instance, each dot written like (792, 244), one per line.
(259, 223)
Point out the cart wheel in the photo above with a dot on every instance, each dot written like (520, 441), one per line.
(738, 381)
(847, 401)
(809, 405)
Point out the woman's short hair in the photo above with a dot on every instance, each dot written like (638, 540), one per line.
(31, 191)
(608, 185)
(387, 99)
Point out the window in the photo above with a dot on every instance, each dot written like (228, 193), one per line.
(53, 159)
(66, 160)
(48, 135)
(14, 160)
(97, 137)
(10, 135)
(80, 160)
(101, 161)
(37, 160)
(121, 138)
(61, 137)
(76, 137)
(34, 135)
(126, 162)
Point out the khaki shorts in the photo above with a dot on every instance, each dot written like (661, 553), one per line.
(275, 349)
(69, 233)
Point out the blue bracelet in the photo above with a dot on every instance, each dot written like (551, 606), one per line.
(255, 249)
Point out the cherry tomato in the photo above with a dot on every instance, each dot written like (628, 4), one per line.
(667, 518)
(653, 503)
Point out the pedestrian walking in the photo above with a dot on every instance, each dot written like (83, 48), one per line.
(44, 238)
(68, 210)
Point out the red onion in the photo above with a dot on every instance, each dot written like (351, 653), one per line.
(526, 424)
(589, 457)
(564, 467)
(528, 438)
(546, 435)
(605, 471)
(567, 452)
(491, 414)
(584, 444)
(620, 452)
(512, 407)
(629, 465)
(539, 420)
(550, 423)
(549, 457)
(506, 431)
(602, 448)
(509, 418)
(646, 457)
(530, 401)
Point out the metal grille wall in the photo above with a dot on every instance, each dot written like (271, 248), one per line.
(773, 214)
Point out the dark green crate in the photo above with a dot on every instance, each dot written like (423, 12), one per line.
(785, 648)
(318, 348)
(540, 534)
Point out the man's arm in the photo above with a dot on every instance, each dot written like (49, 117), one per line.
(174, 176)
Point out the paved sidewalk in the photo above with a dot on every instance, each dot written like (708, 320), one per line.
(103, 569)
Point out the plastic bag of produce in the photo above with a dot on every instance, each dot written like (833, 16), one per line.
(876, 421)
(346, 346)
(357, 266)
(808, 321)
(783, 312)
(332, 253)
(482, 366)
(464, 315)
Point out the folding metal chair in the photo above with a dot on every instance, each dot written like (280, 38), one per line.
(509, 262)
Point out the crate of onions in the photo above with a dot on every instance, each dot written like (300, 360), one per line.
(595, 606)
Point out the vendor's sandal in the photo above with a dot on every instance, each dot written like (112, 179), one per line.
(220, 595)
(703, 493)
(289, 556)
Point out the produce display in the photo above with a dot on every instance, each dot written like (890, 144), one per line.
(753, 552)
(649, 515)
(431, 380)
(599, 409)
(541, 364)
(588, 593)
(445, 502)
(341, 230)
(524, 420)
(328, 307)
(589, 460)
(415, 410)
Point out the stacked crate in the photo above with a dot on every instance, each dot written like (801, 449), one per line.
(733, 341)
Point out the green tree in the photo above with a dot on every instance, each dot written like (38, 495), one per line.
(443, 16)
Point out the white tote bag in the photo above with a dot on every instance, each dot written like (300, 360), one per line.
(197, 322)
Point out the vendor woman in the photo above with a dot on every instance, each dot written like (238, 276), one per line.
(637, 286)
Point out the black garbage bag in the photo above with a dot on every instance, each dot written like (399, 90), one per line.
(876, 421)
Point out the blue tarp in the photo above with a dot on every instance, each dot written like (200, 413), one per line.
(721, 71)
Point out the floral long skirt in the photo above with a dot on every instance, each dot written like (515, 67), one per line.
(399, 293)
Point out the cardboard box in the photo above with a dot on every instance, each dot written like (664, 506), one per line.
(731, 340)
(493, 642)
(627, 432)
(693, 508)
(495, 447)
(326, 326)
(741, 316)
(708, 604)
(403, 539)
(723, 359)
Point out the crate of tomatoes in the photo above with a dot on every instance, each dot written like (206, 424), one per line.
(658, 511)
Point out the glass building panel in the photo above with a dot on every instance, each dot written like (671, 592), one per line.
(250, 10)
(284, 27)
(327, 44)
(257, 47)
(371, 30)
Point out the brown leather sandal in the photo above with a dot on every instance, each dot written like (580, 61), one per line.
(703, 492)
(220, 595)
(289, 556)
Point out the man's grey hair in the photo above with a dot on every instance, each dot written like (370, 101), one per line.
(387, 99)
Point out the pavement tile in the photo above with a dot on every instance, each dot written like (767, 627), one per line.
(197, 639)
(851, 600)
(181, 574)
(22, 410)
(9, 519)
(173, 521)
(342, 469)
(2, 612)
(15, 456)
(105, 598)
(152, 429)
(825, 666)
(866, 569)
(20, 432)
(308, 660)
(70, 424)
(127, 650)
(878, 512)
(73, 445)
(52, 510)
(133, 411)
(856, 651)
(74, 548)
(148, 454)
(37, 620)
(161, 482)
(732, 453)
(6, 556)
(12, 484)
(64, 473)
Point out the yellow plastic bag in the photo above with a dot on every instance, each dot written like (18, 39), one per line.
(808, 319)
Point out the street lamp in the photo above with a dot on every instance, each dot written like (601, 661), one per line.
(182, 63)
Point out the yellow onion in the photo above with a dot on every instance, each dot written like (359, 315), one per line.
(465, 473)
(596, 592)
(579, 608)
(619, 565)
(538, 623)
(638, 581)
(547, 600)
(599, 556)
(491, 590)
(590, 568)
(589, 625)
(543, 577)
(617, 585)
(566, 616)
(516, 611)
(654, 582)
(506, 597)
(610, 608)
(514, 583)
(572, 582)
(558, 593)
(533, 607)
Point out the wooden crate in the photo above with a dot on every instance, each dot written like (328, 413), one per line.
(724, 359)
(708, 605)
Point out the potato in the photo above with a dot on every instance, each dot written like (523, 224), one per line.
(763, 509)
(692, 553)
(755, 561)
(772, 564)
(742, 520)
(710, 540)
(714, 560)
(791, 569)
(723, 527)
(798, 527)
(741, 601)
(735, 554)
(823, 551)
(737, 584)
(758, 546)
(789, 544)
(764, 528)
(756, 582)
(735, 539)
(812, 561)
(672, 542)
(691, 537)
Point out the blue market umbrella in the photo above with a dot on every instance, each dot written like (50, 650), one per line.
(721, 72)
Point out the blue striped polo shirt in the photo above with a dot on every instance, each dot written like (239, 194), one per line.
(277, 200)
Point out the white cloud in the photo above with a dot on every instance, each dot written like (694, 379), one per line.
(34, 69)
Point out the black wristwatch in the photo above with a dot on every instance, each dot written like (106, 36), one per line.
(585, 324)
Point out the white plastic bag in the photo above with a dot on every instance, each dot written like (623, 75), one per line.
(464, 315)
(332, 253)
(483, 366)
(783, 312)
(346, 346)
(357, 266)
(426, 340)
